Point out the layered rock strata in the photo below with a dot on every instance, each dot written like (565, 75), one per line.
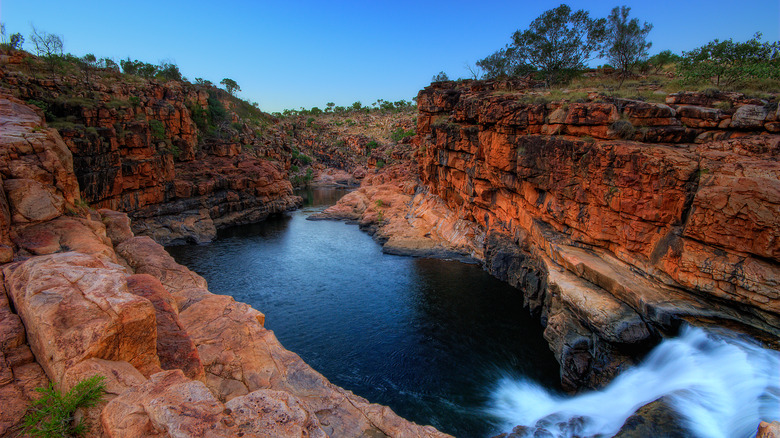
(616, 218)
(155, 150)
(82, 295)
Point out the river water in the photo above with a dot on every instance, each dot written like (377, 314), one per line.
(444, 343)
(429, 338)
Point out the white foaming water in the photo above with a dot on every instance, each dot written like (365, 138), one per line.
(721, 385)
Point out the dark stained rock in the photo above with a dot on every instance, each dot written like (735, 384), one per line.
(174, 346)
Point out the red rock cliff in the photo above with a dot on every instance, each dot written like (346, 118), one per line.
(182, 160)
(80, 295)
(617, 218)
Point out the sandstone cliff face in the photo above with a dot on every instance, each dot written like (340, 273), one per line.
(82, 295)
(616, 218)
(406, 222)
(154, 150)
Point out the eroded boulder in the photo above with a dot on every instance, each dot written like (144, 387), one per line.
(76, 307)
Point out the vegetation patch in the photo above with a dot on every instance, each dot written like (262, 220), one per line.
(157, 129)
(303, 180)
(301, 157)
(400, 134)
(52, 415)
(623, 128)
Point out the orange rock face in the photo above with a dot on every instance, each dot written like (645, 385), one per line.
(688, 213)
(135, 147)
(405, 222)
(83, 296)
(77, 307)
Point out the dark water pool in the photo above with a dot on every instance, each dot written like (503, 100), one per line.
(429, 338)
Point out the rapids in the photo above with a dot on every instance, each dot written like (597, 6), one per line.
(720, 383)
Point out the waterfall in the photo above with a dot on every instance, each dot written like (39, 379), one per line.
(720, 383)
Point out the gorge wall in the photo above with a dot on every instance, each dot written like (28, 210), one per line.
(616, 218)
(81, 295)
(181, 159)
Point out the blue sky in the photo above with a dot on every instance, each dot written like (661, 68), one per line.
(288, 54)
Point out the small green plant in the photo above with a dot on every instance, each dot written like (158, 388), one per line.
(301, 157)
(379, 203)
(81, 203)
(302, 180)
(380, 164)
(52, 414)
(611, 194)
(216, 110)
(371, 145)
(400, 134)
(623, 128)
(117, 103)
(710, 92)
(175, 151)
(723, 105)
(40, 104)
(158, 129)
(380, 216)
(134, 101)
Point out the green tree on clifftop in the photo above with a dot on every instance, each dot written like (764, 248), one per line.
(559, 42)
(727, 62)
(440, 77)
(626, 41)
(230, 85)
(17, 41)
(88, 63)
(48, 46)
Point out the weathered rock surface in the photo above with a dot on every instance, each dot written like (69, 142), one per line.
(84, 296)
(136, 146)
(174, 345)
(337, 178)
(768, 430)
(219, 192)
(19, 373)
(171, 405)
(76, 307)
(403, 221)
(612, 241)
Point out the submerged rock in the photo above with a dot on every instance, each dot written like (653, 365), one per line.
(654, 419)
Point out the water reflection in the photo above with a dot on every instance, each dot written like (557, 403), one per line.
(426, 337)
(319, 197)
